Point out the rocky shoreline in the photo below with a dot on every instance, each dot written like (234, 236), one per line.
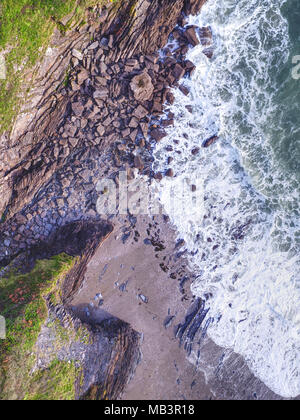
(100, 119)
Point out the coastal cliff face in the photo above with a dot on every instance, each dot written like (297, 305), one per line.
(30, 153)
(84, 109)
(51, 351)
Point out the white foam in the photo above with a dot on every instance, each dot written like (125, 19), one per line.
(243, 235)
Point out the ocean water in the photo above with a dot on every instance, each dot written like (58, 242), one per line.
(241, 226)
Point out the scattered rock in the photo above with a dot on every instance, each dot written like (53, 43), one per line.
(101, 130)
(170, 172)
(143, 298)
(191, 36)
(158, 176)
(184, 89)
(93, 46)
(178, 71)
(73, 141)
(209, 52)
(101, 93)
(140, 112)
(205, 34)
(208, 142)
(77, 108)
(77, 54)
(138, 163)
(157, 134)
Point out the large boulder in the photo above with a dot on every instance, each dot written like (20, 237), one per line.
(142, 87)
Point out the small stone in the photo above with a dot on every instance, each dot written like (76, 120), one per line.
(170, 172)
(143, 298)
(138, 163)
(208, 52)
(83, 122)
(178, 71)
(189, 67)
(85, 174)
(100, 130)
(170, 98)
(144, 128)
(107, 121)
(74, 86)
(133, 122)
(77, 54)
(184, 90)
(191, 36)
(101, 93)
(60, 202)
(168, 122)
(205, 35)
(208, 142)
(77, 108)
(141, 142)
(133, 135)
(110, 41)
(82, 76)
(116, 123)
(102, 81)
(140, 112)
(132, 62)
(157, 134)
(157, 106)
(93, 46)
(102, 67)
(103, 16)
(73, 141)
(125, 133)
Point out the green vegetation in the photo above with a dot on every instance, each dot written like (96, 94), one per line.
(26, 27)
(55, 383)
(24, 308)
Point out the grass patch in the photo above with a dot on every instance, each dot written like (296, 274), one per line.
(55, 383)
(23, 306)
(26, 27)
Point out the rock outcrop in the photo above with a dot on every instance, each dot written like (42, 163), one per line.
(31, 153)
(104, 353)
(92, 118)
